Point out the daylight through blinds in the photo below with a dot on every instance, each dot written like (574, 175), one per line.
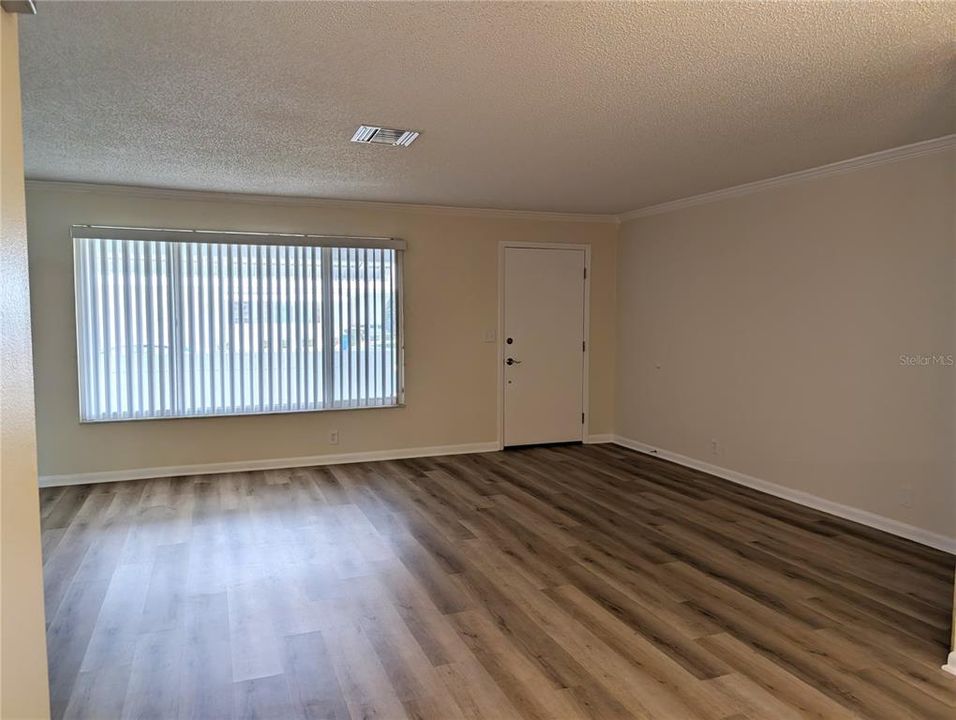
(176, 329)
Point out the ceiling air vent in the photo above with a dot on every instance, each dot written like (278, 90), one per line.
(369, 135)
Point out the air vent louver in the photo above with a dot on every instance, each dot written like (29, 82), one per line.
(370, 135)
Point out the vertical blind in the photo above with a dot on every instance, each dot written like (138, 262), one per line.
(171, 328)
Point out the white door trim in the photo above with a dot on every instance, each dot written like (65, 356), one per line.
(502, 245)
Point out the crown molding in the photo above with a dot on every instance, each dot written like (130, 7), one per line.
(926, 147)
(292, 200)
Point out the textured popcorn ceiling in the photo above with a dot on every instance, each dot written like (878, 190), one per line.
(601, 107)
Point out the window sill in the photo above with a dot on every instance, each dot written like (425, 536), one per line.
(243, 414)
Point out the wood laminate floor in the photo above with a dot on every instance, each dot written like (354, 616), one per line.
(566, 582)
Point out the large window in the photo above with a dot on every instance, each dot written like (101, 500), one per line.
(191, 323)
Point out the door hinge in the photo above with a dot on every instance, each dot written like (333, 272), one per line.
(582, 418)
(585, 273)
(584, 346)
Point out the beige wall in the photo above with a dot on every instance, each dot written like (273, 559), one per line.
(778, 320)
(450, 301)
(23, 670)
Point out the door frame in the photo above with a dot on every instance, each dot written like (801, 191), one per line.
(585, 404)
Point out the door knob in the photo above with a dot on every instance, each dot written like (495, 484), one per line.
(512, 361)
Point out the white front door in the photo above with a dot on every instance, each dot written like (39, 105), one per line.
(543, 345)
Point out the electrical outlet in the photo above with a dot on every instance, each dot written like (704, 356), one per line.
(334, 437)
(714, 447)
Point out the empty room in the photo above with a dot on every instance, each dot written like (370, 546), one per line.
(478, 360)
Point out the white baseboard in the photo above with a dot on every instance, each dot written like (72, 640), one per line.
(950, 665)
(268, 464)
(880, 522)
(910, 532)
